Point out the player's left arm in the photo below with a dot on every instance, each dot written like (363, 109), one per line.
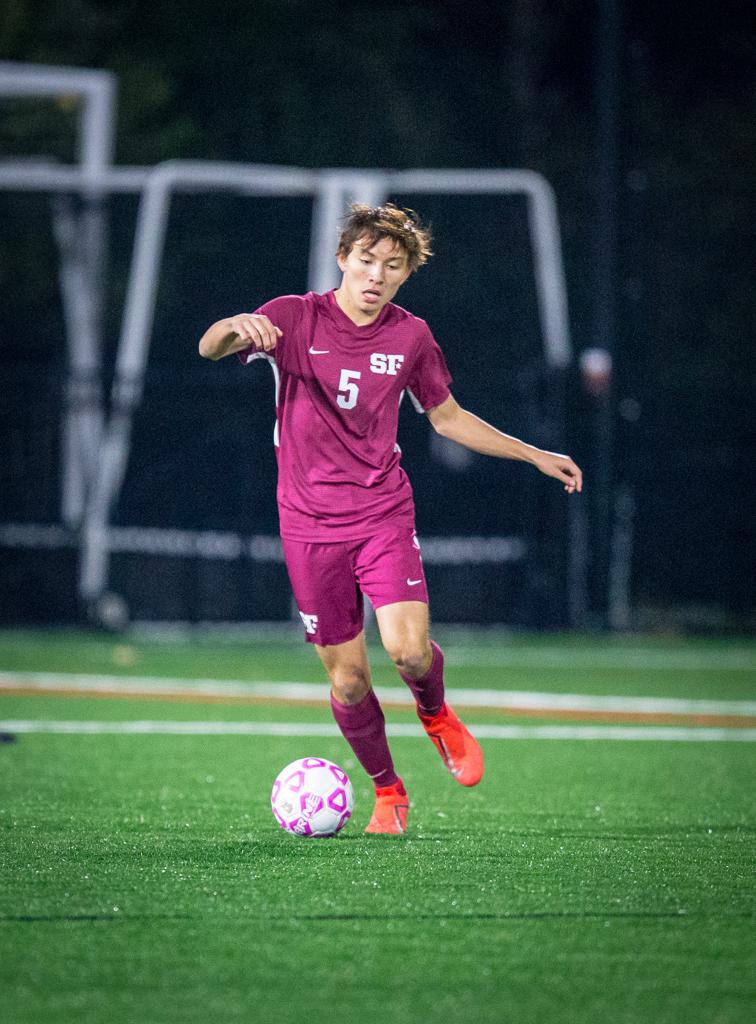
(450, 420)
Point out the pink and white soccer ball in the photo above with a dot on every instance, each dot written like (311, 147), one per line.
(312, 797)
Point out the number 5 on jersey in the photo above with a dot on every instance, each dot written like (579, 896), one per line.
(348, 390)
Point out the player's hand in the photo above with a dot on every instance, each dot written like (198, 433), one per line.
(561, 467)
(257, 330)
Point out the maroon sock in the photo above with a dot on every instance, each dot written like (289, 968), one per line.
(428, 690)
(364, 729)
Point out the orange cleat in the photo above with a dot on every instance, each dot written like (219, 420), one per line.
(390, 811)
(459, 749)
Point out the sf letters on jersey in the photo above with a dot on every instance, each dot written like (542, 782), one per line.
(389, 364)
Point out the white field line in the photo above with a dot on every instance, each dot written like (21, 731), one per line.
(485, 732)
(737, 659)
(61, 682)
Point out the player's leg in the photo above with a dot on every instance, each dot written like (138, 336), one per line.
(390, 572)
(356, 708)
(420, 660)
(348, 669)
(330, 603)
(404, 629)
(359, 716)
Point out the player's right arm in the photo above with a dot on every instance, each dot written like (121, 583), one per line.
(236, 333)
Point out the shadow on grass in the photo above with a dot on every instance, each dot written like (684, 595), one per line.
(536, 915)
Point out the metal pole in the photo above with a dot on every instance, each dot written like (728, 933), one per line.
(82, 237)
(606, 234)
(328, 207)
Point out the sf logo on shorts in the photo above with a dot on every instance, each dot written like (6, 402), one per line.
(310, 623)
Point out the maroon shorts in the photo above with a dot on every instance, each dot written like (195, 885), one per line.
(329, 580)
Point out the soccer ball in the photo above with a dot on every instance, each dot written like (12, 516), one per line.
(312, 797)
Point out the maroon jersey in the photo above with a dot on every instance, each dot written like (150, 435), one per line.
(338, 389)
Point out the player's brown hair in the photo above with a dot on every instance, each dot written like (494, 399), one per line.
(388, 221)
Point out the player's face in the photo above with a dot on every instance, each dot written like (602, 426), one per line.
(373, 274)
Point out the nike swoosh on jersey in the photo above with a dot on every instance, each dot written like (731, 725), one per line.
(413, 583)
(318, 351)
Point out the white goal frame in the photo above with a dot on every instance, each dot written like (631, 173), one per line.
(98, 446)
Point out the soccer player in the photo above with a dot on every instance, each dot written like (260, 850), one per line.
(342, 362)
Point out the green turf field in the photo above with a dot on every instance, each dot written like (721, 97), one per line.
(144, 879)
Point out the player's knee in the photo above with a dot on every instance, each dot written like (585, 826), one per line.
(411, 657)
(350, 685)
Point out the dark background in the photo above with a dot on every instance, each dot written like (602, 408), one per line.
(425, 85)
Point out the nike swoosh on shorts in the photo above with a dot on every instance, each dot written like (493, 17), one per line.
(413, 583)
(318, 351)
